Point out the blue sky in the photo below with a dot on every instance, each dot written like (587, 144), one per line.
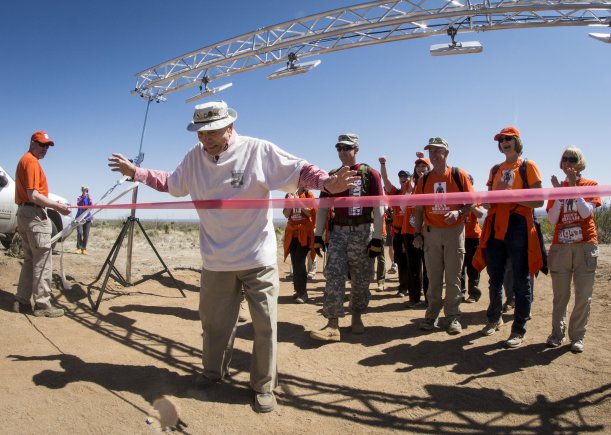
(68, 69)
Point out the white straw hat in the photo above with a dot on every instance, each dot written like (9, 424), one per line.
(212, 116)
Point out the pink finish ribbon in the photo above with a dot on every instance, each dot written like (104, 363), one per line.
(497, 196)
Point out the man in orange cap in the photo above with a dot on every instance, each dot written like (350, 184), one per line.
(34, 227)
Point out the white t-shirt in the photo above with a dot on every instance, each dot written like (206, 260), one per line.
(232, 240)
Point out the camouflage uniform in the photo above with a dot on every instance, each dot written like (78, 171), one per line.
(348, 254)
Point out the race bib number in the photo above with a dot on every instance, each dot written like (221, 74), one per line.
(570, 234)
(355, 191)
(296, 215)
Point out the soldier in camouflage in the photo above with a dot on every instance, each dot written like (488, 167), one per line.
(354, 241)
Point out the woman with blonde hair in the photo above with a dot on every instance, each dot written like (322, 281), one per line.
(573, 253)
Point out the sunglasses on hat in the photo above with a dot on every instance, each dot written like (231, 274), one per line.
(344, 147)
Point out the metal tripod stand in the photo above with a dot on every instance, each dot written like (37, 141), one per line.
(109, 264)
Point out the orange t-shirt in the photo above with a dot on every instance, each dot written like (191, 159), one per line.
(440, 184)
(398, 212)
(29, 176)
(510, 173)
(472, 229)
(571, 228)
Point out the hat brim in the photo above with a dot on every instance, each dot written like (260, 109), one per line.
(345, 142)
(498, 135)
(435, 145)
(232, 115)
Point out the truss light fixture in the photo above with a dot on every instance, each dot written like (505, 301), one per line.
(455, 3)
(455, 47)
(206, 92)
(603, 37)
(294, 68)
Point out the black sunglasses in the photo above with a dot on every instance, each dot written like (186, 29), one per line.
(505, 139)
(43, 145)
(570, 159)
(344, 148)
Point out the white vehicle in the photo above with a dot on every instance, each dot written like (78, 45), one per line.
(8, 211)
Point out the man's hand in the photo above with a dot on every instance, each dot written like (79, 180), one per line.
(61, 208)
(340, 181)
(382, 160)
(374, 248)
(119, 163)
(451, 217)
(319, 245)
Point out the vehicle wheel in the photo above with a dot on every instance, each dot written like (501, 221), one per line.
(7, 242)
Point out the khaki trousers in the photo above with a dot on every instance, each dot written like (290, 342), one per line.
(34, 227)
(577, 261)
(219, 307)
(444, 252)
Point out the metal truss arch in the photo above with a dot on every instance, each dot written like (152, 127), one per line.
(359, 25)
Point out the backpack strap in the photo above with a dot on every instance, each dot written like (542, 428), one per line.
(523, 174)
(493, 172)
(456, 177)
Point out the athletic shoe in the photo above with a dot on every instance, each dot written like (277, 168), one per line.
(84, 252)
(19, 307)
(514, 340)
(427, 324)
(393, 268)
(577, 346)
(48, 312)
(454, 327)
(78, 251)
(509, 304)
(380, 287)
(265, 402)
(471, 300)
(204, 382)
(553, 341)
(301, 299)
(491, 328)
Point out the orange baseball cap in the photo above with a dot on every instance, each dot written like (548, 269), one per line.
(423, 160)
(42, 137)
(507, 131)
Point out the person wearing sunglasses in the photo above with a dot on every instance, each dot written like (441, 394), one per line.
(509, 232)
(356, 239)
(82, 236)
(573, 254)
(34, 227)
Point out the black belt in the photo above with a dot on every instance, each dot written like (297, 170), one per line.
(31, 204)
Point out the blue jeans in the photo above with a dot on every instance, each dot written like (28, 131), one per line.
(515, 247)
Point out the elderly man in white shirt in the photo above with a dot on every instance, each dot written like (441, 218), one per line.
(238, 247)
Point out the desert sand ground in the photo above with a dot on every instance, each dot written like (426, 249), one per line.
(100, 372)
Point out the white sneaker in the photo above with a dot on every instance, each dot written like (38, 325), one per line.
(553, 341)
(393, 268)
(311, 275)
(491, 328)
(577, 346)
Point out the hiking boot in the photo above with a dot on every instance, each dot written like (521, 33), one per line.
(492, 327)
(265, 402)
(244, 315)
(329, 333)
(553, 341)
(454, 327)
(393, 268)
(412, 304)
(19, 307)
(427, 324)
(84, 252)
(78, 251)
(514, 340)
(357, 324)
(48, 312)
(577, 346)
